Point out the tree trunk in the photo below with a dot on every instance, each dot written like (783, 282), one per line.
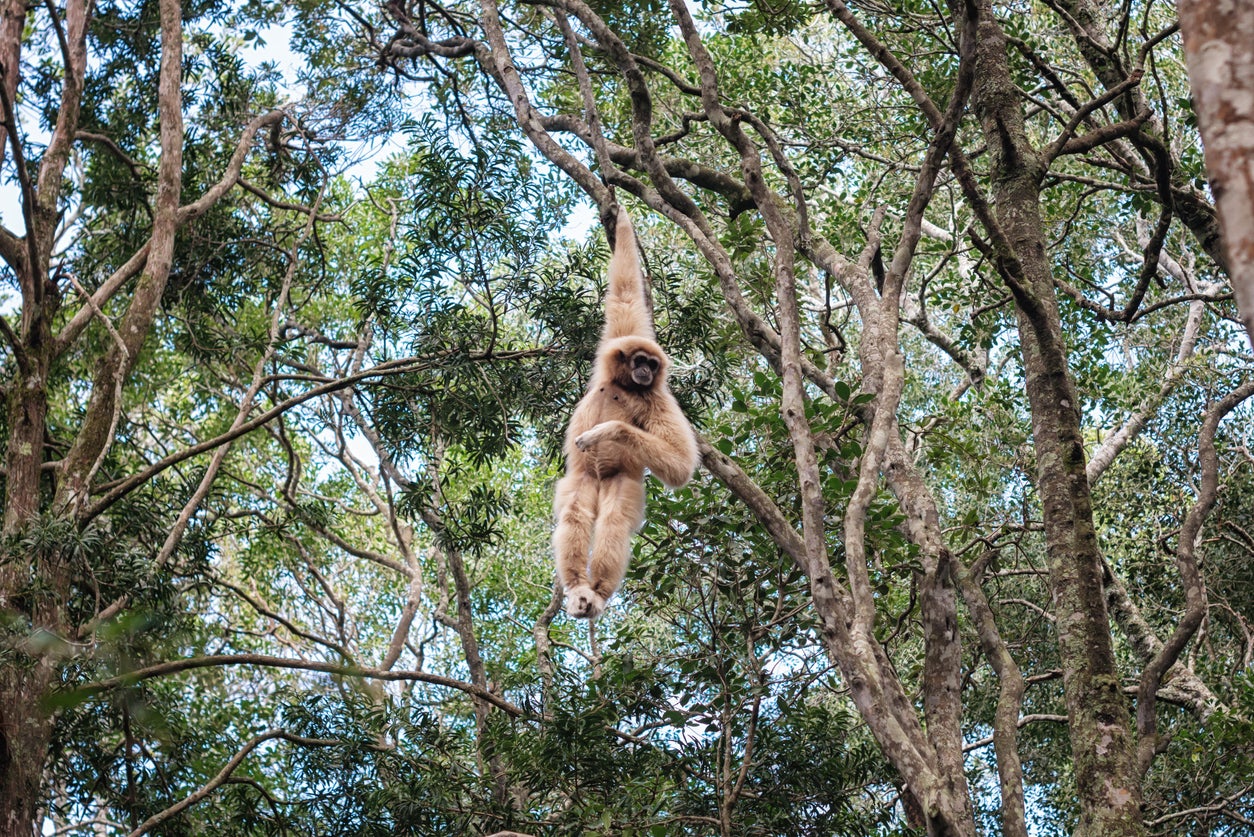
(1102, 747)
(24, 728)
(24, 735)
(1219, 49)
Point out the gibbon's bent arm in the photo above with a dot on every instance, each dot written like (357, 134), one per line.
(625, 311)
(669, 451)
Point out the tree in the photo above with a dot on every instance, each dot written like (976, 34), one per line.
(100, 171)
(1216, 42)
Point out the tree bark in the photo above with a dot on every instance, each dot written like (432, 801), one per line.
(12, 21)
(1219, 50)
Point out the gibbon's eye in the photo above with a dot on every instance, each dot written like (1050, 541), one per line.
(645, 360)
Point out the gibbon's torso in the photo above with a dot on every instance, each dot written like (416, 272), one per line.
(610, 399)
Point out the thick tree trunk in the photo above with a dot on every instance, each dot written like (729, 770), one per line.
(1219, 49)
(23, 747)
(1103, 750)
(24, 728)
(23, 461)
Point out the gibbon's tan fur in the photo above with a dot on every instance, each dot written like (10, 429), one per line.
(628, 421)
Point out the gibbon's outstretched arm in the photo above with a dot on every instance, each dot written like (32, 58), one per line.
(626, 423)
(626, 314)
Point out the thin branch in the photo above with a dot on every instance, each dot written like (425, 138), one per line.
(119, 377)
(1190, 576)
(1023, 722)
(224, 774)
(1059, 144)
(591, 114)
(1106, 133)
(399, 366)
(116, 150)
(267, 661)
(270, 200)
(190, 508)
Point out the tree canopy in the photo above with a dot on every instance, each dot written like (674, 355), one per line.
(290, 338)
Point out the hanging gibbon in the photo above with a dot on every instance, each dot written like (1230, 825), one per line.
(628, 421)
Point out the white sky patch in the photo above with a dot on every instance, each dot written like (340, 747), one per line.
(580, 221)
(273, 46)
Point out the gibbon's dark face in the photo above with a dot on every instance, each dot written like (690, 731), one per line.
(634, 363)
(643, 369)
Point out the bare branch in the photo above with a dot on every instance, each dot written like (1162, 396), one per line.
(115, 149)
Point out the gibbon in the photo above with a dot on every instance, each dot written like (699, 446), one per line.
(626, 422)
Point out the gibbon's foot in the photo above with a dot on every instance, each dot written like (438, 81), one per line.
(582, 602)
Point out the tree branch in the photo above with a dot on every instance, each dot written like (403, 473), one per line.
(224, 774)
(1190, 576)
(266, 661)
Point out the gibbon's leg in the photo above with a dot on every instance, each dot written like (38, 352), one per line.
(621, 514)
(574, 507)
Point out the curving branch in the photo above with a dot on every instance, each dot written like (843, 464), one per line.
(1190, 576)
(1064, 144)
(495, 58)
(1114, 444)
(399, 366)
(737, 195)
(267, 661)
(184, 214)
(224, 775)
